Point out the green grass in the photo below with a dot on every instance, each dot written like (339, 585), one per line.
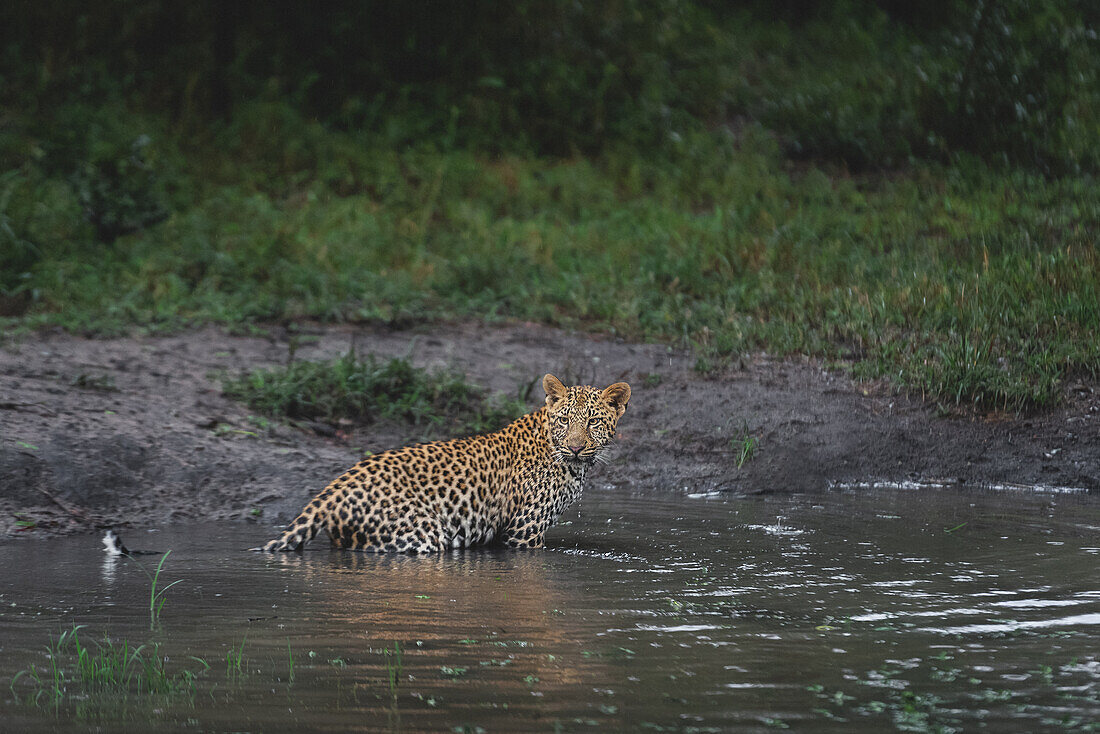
(828, 206)
(234, 660)
(156, 597)
(367, 389)
(745, 447)
(108, 672)
(290, 658)
(971, 287)
(395, 665)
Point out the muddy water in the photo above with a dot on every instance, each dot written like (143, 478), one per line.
(862, 610)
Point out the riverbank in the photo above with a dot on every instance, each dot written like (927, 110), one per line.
(135, 431)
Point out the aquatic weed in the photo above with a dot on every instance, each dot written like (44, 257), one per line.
(54, 687)
(496, 662)
(448, 671)
(234, 661)
(290, 658)
(156, 597)
(395, 664)
(107, 672)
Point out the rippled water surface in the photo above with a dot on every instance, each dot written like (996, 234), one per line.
(862, 610)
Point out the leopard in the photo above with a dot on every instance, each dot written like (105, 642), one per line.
(506, 487)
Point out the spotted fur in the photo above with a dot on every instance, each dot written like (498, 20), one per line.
(508, 486)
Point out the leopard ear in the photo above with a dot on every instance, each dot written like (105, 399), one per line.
(617, 396)
(555, 391)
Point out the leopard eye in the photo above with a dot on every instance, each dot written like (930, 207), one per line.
(593, 422)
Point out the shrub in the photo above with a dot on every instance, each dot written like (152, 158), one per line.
(369, 390)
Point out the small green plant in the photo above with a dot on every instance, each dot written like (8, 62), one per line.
(234, 661)
(1045, 673)
(744, 446)
(105, 670)
(52, 687)
(260, 422)
(290, 658)
(394, 667)
(156, 598)
(113, 666)
(705, 366)
(190, 677)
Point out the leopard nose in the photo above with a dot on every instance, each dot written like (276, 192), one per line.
(577, 449)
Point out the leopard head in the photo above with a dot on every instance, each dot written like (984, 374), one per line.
(582, 419)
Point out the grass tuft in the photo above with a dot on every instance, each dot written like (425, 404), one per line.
(156, 598)
(107, 672)
(395, 664)
(234, 661)
(745, 446)
(366, 390)
(290, 657)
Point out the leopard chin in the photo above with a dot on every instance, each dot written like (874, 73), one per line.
(574, 462)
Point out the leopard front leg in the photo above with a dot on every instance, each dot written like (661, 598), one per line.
(542, 494)
(524, 537)
(527, 530)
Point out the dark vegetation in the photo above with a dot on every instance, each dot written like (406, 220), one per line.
(367, 390)
(906, 188)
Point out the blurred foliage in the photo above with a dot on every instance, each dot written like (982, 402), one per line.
(858, 81)
(907, 187)
(552, 76)
(1015, 81)
(1020, 82)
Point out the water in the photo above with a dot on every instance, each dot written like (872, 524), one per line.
(859, 610)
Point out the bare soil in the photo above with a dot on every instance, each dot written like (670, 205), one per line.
(135, 431)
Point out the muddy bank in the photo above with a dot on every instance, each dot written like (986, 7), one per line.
(135, 430)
